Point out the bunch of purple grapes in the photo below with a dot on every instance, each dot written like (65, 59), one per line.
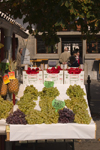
(66, 116)
(18, 117)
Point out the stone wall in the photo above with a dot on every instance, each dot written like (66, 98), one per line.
(91, 66)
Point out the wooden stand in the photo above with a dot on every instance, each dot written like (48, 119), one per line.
(7, 133)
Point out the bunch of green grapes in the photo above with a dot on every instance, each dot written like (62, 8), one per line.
(47, 109)
(52, 117)
(32, 91)
(49, 92)
(47, 114)
(26, 103)
(75, 91)
(5, 107)
(46, 103)
(34, 117)
(38, 117)
(68, 104)
(78, 105)
(82, 117)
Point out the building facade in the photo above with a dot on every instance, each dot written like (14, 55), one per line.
(9, 28)
(72, 39)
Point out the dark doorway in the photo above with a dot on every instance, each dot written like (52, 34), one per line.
(72, 43)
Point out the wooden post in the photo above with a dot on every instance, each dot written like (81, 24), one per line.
(88, 90)
(13, 47)
(14, 99)
(2, 41)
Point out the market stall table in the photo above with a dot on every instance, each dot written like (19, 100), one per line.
(36, 61)
(53, 131)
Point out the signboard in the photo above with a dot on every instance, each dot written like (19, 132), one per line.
(25, 58)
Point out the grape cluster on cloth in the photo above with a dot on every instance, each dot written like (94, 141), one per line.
(18, 117)
(26, 101)
(5, 108)
(47, 114)
(66, 116)
(49, 92)
(32, 91)
(78, 104)
(75, 91)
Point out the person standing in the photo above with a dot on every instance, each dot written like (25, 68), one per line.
(73, 62)
(78, 57)
(19, 63)
(64, 57)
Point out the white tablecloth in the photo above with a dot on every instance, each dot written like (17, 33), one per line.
(2, 126)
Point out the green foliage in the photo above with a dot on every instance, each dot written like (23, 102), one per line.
(51, 16)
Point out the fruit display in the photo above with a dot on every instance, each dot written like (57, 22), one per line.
(50, 92)
(47, 114)
(3, 89)
(13, 86)
(82, 117)
(34, 117)
(26, 103)
(17, 117)
(48, 110)
(5, 107)
(78, 104)
(75, 91)
(32, 91)
(76, 110)
(66, 116)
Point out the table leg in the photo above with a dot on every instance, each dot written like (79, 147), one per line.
(73, 145)
(2, 142)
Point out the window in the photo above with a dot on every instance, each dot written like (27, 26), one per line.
(93, 47)
(41, 48)
(72, 43)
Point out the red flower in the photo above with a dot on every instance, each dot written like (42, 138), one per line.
(33, 71)
(59, 68)
(53, 70)
(74, 71)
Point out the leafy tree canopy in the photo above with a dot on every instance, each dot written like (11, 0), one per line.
(51, 16)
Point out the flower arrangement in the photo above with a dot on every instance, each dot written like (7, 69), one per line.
(32, 71)
(74, 70)
(54, 70)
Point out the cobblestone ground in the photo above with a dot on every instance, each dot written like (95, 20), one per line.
(93, 144)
